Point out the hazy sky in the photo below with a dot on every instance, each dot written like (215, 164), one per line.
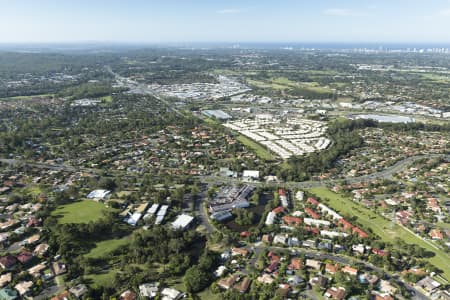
(228, 20)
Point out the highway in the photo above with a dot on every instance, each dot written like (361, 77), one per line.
(142, 89)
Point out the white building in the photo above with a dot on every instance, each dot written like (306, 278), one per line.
(149, 290)
(310, 221)
(182, 222)
(332, 234)
(329, 211)
(161, 214)
(280, 239)
(270, 219)
(299, 196)
(134, 218)
(171, 294)
(250, 175)
(151, 211)
(220, 271)
(98, 194)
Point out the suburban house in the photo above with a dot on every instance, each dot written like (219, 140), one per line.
(335, 293)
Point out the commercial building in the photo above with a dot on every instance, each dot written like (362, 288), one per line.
(229, 198)
(182, 222)
(161, 214)
(217, 114)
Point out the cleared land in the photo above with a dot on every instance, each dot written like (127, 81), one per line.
(83, 211)
(283, 83)
(27, 97)
(382, 227)
(103, 279)
(260, 151)
(107, 99)
(105, 247)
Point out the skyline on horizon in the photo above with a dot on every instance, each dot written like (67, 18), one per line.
(202, 21)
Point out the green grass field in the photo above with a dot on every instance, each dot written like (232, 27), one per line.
(382, 227)
(33, 190)
(103, 279)
(80, 212)
(211, 121)
(436, 78)
(283, 83)
(106, 99)
(105, 247)
(267, 85)
(260, 151)
(27, 97)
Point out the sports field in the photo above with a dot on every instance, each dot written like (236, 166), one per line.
(80, 212)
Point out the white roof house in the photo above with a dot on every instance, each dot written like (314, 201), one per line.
(280, 239)
(299, 195)
(220, 271)
(182, 222)
(310, 221)
(170, 294)
(270, 218)
(149, 289)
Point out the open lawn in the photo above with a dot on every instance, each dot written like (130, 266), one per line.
(283, 83)
(344, 99)
(80, 212)
(27, 97)
(315, 87)
(260, 151)
(206, 294)
(267, 85)
(105, 247)
(211, 121)
(33, 190)
(382, 227)
(106, 99)
(443, 225)
(436, 78)
(102, 279)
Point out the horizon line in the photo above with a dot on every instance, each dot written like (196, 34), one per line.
(81, 42)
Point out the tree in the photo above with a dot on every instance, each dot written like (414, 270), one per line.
(195, 279)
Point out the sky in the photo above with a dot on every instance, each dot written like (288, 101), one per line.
(164, 21)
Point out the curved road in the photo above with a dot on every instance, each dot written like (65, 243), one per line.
(385, 174)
